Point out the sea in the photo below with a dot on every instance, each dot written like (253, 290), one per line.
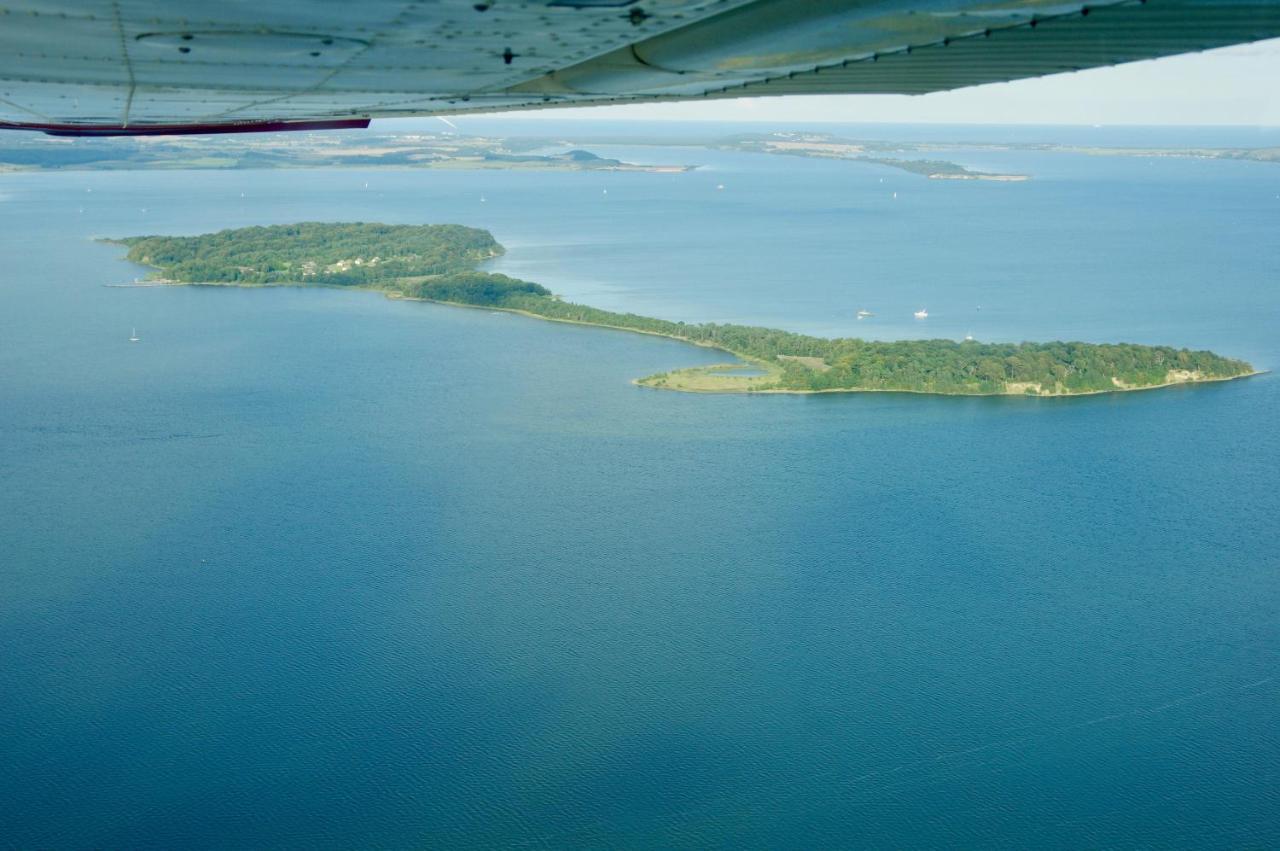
(319, 569)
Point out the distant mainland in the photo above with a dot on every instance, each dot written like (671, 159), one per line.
(317, 150)
(439, 263)
(451, 150)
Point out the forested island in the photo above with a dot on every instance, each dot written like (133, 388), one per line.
(439, 263)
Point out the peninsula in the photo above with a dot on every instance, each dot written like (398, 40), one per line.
(439, 263)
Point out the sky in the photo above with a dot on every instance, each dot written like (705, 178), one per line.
(1234, 85)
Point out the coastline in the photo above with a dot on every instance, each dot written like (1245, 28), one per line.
(746, 361)
(640, 382)
(454, 164)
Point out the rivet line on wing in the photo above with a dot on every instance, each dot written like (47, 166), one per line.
(128, 64)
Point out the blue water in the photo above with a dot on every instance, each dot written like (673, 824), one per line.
(317, 569)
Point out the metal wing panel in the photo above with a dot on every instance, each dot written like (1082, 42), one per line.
(1065, 42)
(134, 63)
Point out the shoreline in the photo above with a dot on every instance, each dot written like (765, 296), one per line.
(747, 360)
(437, 165)
(639, 382)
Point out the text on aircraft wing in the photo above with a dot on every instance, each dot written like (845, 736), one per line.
(144, 66)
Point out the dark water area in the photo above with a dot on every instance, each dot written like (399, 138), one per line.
(317, 569)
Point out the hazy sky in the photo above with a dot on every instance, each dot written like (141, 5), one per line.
(1233, 85)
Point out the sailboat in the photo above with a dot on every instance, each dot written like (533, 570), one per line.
(134, 338)
(922, 313)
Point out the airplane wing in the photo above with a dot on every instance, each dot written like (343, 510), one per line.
(85, 67)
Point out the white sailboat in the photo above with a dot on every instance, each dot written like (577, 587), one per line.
(922, 313)
(133, 337)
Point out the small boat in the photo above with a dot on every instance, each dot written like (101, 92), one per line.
(719, 186)
(134, 338)
(863, 314)
(483, 199)
(922, 313)
(968, 338)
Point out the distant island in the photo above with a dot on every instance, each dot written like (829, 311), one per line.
(822, 146)
(574, 160)
(439, 263)
(942, 169)
(828, 146)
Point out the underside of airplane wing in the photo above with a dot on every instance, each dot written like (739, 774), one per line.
(169, 66)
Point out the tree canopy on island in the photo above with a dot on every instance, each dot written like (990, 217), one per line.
(346, 254)
(927, 366)
(438, 262)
